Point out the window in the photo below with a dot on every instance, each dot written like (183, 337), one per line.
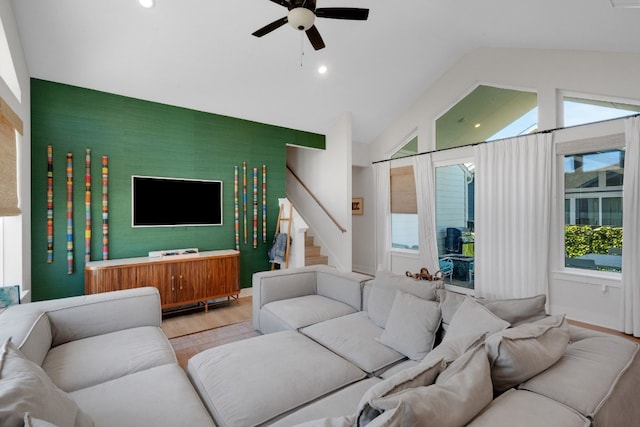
(593, 209)
(455, 220)
(578, 111)
(404, 209)
(486, 114)
(408, 149)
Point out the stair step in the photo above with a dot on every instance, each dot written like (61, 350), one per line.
(308, 240)
(311, 251)
(316, 260)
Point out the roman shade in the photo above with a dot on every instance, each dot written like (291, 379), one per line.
(9, 124)
(403, 190)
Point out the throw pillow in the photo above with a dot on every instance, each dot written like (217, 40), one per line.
(422, 375)
(515, 310)
(26, 388)
(411, 326)
(383, 292)
(29, 421)
(344, 421)
(460, 392)
(452, 349)
(472, 317)
(449, 303)
(520, 353)
(518, 310)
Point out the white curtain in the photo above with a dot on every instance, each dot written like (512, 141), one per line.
(512, 217)
(426, 198)
(631, 229)
(383, 215)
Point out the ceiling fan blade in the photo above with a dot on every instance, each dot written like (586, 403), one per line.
(270, 27)
(315, 38)
(343, 13)
(284, 3)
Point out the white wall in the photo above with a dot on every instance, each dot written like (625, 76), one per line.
(549, 73)
(15, 251)
(363, 257)
(328, 174)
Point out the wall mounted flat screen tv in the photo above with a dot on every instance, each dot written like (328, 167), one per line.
(175, 202)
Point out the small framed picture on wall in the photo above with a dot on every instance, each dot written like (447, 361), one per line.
(357, 206)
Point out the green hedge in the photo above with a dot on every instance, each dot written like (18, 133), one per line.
(583, 239)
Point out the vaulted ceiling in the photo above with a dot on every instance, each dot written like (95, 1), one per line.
(200, 54)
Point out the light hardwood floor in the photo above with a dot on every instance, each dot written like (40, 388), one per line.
(191, 333)
(179, 324)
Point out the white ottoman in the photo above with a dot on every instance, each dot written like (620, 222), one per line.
(248, 382)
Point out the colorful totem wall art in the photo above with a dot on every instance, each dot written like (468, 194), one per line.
(70, 248)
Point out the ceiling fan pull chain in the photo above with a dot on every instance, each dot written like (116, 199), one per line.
(301, 47)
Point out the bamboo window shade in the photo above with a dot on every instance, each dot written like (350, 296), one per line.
(9, 124)
(403, 190)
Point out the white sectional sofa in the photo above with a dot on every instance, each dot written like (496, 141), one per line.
(331, 358)
(100, 360)
(341, 350)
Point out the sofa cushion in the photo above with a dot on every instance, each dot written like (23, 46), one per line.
(472, 317)
(587, 374)
(160, 396)
(411, 326)
(26, 389)
(296, 313)
(354, 337)
(526, 409)
(383, 292)
(460, 392)
(342, 403)
(83, 363)
(248, 382)
(418, 376)
(517, 354)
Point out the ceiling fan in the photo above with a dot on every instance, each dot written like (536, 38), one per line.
(302, 15)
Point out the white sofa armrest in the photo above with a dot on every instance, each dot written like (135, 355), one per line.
(37, 326)
(276, 285)
(106, 312)
(85, 316)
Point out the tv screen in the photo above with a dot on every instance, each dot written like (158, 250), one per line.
(172, 202)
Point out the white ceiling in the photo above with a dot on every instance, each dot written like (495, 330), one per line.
(200, 54)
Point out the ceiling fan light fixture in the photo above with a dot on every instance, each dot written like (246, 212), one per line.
(301, 18)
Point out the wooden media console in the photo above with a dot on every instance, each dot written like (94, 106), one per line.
(181, 279)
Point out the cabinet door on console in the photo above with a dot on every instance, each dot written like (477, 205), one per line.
(191, 280)
(159, 275)
(110, 279)
(224, 275)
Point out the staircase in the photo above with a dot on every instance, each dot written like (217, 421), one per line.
(312, 254)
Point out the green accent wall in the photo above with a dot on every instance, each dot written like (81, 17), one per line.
(143, 138)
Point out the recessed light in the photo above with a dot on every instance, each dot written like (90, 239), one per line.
(477, 125)
(146, 3)
(322, 69)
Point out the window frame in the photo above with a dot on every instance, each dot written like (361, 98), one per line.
(582, 139)
(563, 94)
